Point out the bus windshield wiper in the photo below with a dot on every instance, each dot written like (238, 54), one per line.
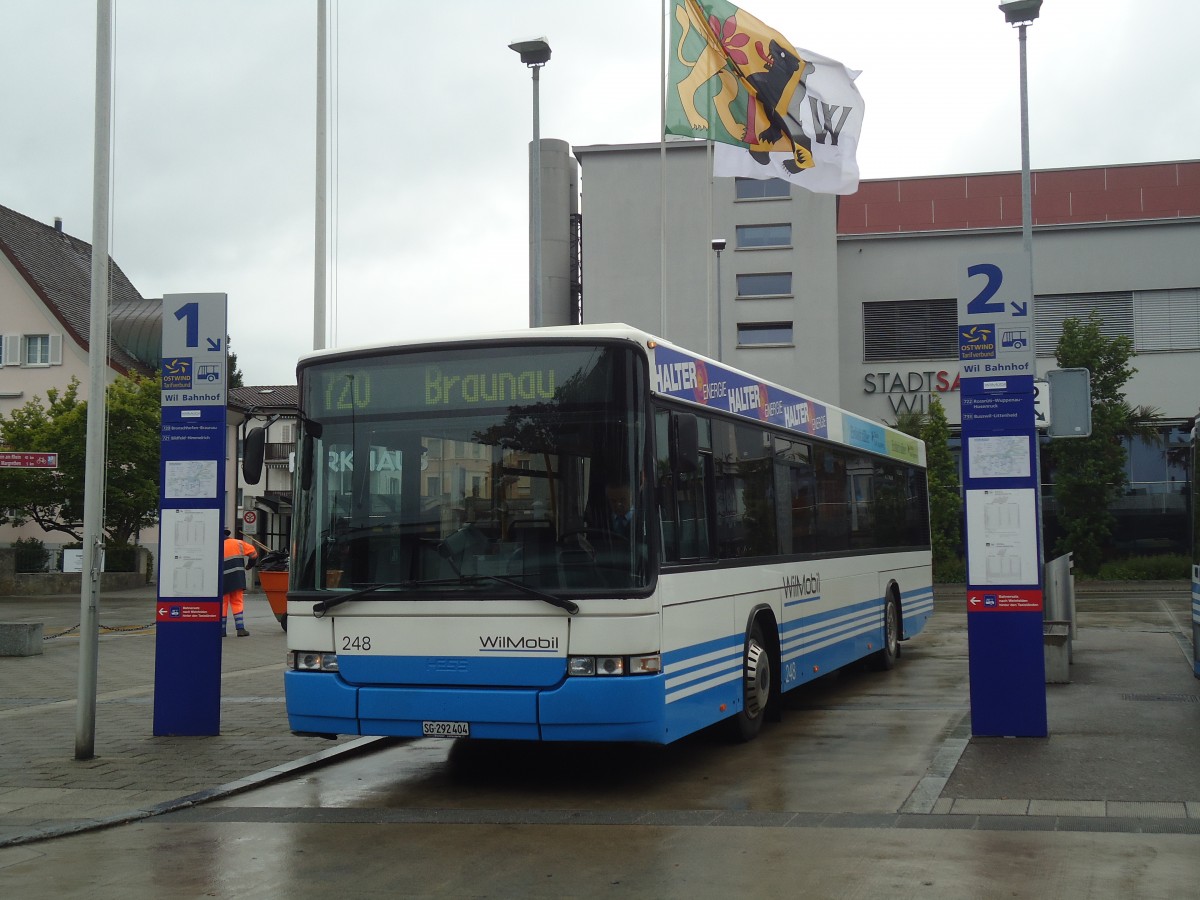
(443, 549)
(561, 602)
(323, 606)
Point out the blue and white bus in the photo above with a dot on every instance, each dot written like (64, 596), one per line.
(585, 534)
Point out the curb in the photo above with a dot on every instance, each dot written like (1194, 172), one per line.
(360, 746)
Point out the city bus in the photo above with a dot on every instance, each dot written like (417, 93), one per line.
(585, 533)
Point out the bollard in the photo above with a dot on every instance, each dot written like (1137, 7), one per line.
(20, 638)
(1056, 644)
(1060, 597)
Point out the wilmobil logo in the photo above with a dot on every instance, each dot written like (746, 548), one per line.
(799, 586)
(503, 643)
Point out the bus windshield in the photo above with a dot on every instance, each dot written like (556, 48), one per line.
(455, 470)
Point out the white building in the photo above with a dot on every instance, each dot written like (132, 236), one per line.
(45, 302)
(854, 299)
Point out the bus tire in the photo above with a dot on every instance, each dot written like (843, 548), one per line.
(757, 686)
(885, 658)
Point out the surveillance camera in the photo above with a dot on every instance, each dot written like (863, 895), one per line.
(718, 244)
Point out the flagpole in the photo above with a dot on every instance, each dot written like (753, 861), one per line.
(662, 174)
(708, 152)
(93, 479)
(320, 252)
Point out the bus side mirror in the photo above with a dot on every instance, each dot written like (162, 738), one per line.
(253, 451)
(687, 443)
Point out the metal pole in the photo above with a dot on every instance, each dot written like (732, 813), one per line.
(1027, 248)
(94, 468)
(720, 344)
(535, 181)
(320, 328)
(1026, 190)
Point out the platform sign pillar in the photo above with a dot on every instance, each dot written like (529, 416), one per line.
(1002, 497)
(187, 663)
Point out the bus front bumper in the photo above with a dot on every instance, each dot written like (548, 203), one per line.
(618, 708)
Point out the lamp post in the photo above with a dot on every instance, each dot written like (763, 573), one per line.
(535, 53)
(718, 244)
(1021, 14)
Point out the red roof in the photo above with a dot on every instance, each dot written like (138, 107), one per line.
(1168, 190)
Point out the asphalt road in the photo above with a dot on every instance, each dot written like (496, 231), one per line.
(871, 785)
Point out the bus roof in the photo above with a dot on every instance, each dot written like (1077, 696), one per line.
(693, 379)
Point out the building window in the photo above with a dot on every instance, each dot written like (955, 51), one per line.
(761, 189)
(37, 349)
(1114, 307)
(927, 329)
(770, 284)
(759, 334)
(1166, 320)
(754, 236)
(910, 329)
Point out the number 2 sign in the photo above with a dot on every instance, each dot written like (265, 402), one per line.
(996, 310)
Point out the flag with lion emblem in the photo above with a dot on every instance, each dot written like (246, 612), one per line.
(774, 111)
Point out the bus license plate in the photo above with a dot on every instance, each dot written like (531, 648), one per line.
(446, 729)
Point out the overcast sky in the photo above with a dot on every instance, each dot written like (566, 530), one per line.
(213, 148)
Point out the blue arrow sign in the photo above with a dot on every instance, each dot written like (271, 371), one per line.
(214, 345)
(1020, 309)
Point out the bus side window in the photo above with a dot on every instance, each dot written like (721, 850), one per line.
(798, 511)
(664, 485)
(746, 524)
(833, 510)
(693, 479)
(860, 494)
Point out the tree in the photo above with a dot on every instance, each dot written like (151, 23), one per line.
(1090, 472)
(945, 496)
(233, 375)
(54, 498)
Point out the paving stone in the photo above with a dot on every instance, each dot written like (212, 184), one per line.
(1146, 810)
(964, 807)
(1067, 808)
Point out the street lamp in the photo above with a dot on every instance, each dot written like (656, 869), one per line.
(1020, 14)
(535, 53)
(718, 244)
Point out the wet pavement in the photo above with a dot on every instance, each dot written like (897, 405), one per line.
(885, 753)
(45, 791)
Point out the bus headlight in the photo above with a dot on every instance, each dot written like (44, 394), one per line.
(610, 665)
(312, 661)
(648, 664)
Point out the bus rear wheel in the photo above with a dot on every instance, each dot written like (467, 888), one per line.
(757, 685)
(885, 658)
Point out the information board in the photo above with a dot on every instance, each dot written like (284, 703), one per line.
(187, 668)
(998, 359)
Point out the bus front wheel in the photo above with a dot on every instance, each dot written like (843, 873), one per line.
(757, 685)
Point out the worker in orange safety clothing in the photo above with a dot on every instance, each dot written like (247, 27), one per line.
(238, 557)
